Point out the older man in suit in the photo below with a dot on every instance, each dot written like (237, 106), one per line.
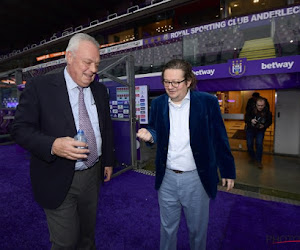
(191, 144)
(65, 177)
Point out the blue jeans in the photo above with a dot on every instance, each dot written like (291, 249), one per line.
(183, 191)
(258, 135)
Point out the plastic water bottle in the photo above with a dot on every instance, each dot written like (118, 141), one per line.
(80, 137)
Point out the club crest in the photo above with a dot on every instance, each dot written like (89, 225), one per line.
(237, 67)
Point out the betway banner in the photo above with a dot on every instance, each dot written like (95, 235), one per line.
(241, 67)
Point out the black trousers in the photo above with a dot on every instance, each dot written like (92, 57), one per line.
(72, 224)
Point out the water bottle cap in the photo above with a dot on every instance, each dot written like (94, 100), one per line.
(80, 131)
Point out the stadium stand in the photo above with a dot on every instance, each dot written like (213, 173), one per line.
(287, 35)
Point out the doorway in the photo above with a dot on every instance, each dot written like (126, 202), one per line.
(233, 106)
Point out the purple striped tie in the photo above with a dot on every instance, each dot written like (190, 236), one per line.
(86, 125)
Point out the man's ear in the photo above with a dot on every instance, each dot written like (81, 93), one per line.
(188, 83)
(69, 57)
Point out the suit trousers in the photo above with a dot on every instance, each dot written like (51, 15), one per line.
(72, 224)
(183, 190)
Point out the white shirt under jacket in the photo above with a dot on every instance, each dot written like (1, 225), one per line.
(89, 101)
(180, 156)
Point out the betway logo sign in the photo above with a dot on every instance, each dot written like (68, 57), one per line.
(277, 65)
(202, 72)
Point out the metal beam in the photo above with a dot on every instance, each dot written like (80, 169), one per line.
(130, 83)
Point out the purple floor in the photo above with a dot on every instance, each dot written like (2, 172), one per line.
(128, 216)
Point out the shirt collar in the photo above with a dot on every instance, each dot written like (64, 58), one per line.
(185, 100)
(70, 83)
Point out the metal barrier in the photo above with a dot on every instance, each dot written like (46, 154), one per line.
(128, 81)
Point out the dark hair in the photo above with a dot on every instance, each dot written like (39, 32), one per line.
(185, 67)
(256, 94)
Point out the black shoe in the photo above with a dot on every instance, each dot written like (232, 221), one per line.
(251, 161)
(259, 165)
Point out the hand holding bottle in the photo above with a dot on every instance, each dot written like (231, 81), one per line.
(81, 141)
(70, 148)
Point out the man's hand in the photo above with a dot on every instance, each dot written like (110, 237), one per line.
(253, 121)
(230, 183)
(66, 147)
(144, 135)
(107, 173)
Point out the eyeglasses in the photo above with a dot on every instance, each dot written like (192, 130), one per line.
(173, 83)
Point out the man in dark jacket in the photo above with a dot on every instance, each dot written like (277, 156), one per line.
(252, 102)
(192, 144)
(51, 109)
(258, 119)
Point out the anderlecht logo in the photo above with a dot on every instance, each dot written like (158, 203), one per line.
(237, 67)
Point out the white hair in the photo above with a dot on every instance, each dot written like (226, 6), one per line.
(79, 37)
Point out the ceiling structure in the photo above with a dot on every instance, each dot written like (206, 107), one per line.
(26, 22)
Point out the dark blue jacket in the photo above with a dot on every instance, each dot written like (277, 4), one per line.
(208, 139)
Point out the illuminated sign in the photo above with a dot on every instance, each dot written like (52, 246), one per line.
(44, 57)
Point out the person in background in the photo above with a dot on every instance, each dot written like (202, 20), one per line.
(192, 143)
(66, 178)
(257, 120)
(252, 101)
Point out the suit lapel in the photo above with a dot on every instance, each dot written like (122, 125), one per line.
(196, 114)
(62, 98)
(166, 117)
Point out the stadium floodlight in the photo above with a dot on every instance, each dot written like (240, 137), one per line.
(156, 1)
(112, 16)
(65, 33)
(43, 41)
(70, 29)
(94, 22)
(79, 28)
(132, 9)
(53, 37)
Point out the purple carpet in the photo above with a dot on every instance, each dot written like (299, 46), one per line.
(128, 216)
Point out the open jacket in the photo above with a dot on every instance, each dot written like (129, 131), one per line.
(208, 139)
(44, 113)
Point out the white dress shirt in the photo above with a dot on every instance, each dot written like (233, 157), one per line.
(180, 156)
(89, 101)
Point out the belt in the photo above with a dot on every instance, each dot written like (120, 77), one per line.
(177, 171)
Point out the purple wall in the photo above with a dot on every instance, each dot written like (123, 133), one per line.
(275, 81)
(240, 74)
(272, 81)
